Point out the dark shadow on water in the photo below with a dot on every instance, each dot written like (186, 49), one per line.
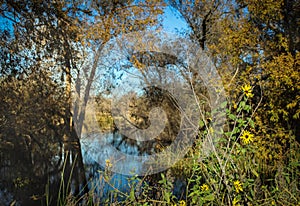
(29, 180)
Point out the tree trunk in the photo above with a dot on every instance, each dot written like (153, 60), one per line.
(74, 172)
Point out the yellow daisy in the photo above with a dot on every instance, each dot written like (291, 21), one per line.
(238, 186)
(247, 91)
(247, 137)
(182, 203)
(204, 187)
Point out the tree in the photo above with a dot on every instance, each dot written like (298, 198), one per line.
(110, 20)
(255, 43)
(31, 133)
(56, 36)
(257, 39)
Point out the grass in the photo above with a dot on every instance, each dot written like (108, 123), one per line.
(233, 173)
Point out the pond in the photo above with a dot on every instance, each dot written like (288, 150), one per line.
(97, 150)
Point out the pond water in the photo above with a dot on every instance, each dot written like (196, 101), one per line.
(94, 156)
(95, 153)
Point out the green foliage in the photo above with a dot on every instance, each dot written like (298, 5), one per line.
(234, 174)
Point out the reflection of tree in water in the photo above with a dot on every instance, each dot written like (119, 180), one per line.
(32, 126)
(139, 116)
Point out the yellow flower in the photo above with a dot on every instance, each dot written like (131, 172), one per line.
(247, 91)
(247, 137)
(234, 105)
(182, 203)
(238, 186)
(204, 187)
(108, 163)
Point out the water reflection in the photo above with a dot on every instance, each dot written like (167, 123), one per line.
(92, 155)
(22, 185)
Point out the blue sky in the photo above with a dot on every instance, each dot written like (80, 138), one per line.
(172, 21)
(5, 24)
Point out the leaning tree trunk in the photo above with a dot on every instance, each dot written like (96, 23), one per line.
(74, 172)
